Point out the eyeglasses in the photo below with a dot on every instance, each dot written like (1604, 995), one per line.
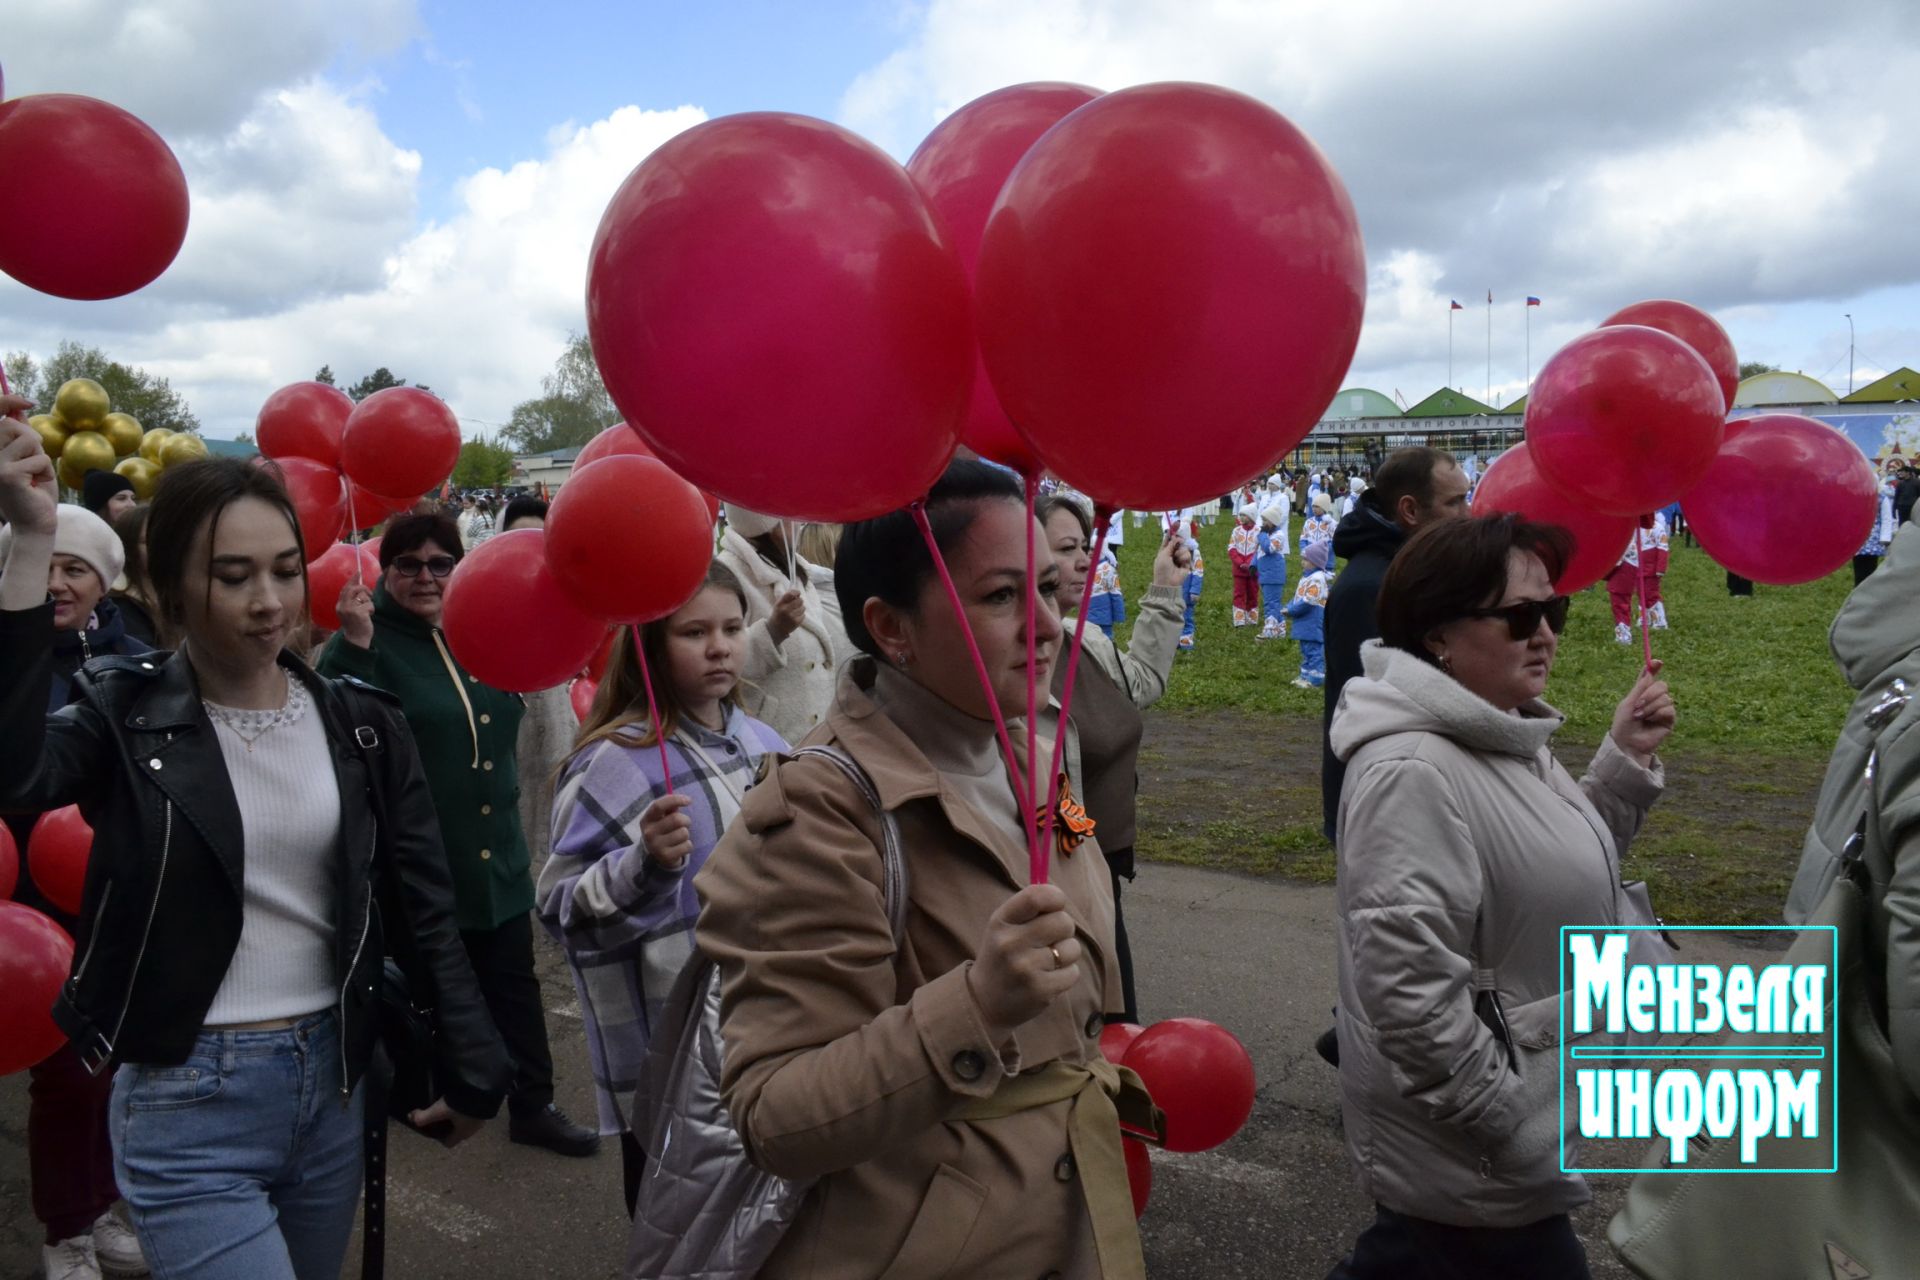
(410, 566)
(1523, 619)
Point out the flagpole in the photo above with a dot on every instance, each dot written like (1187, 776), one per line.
(1529, 387)
(1450, 311)
(1489, 399)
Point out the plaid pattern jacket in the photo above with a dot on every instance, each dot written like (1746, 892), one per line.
(625, 921)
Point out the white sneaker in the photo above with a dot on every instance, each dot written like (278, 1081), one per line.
(70, 1260)
(1622, 633)
(116, 1248)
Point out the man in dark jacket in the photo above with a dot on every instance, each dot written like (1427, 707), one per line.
(1905, 493)
(1413, 486)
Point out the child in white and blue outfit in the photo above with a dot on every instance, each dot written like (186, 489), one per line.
(1270, 563)
(1107, 605)
(1196, 581)
(1308, 610)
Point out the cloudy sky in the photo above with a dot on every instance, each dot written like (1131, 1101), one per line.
(414, 183)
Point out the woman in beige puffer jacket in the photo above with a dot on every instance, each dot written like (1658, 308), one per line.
(1464, 846)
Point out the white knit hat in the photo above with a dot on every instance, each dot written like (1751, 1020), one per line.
(84, 535)
(1273, 515)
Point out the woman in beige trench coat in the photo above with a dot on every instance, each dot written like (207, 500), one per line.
(948, 1092)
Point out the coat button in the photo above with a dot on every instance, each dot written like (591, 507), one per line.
(473, 679)
(146, 666)
(485, 718)
(485, 854)
(1096, 1023)
(969, 1065)
(487, 765)
(154, 763)
(1063, 1168)
(140, 720)
(485, 809)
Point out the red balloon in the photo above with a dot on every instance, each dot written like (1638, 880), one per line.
(1169, 259)
(629, 541)
(57, 851)
(318, 499)
(1625, 419)
(580, 696)
(328, 573)
(960, 167)
(773, 304)
(1513, 483)
(1788, 499)
(35, 954)
(400, 442)
(1200, 1075)
(1139, 1173)
(597, 665)
(507, 576)
(620, 438)
(1695, 328)
(9, 862)
(1115, 1037)
(367, 508)
(99, 207)
(303, 420)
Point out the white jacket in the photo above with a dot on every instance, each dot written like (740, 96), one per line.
(788, 686)
(1463, 849)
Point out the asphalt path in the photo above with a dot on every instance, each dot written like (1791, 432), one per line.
(1277, 1201)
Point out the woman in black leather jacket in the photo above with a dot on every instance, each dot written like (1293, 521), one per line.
(251, 821)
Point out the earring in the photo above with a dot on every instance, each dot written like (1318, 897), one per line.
(1446, 664)
(900, 660)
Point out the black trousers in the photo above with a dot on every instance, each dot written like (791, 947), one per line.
(502, 959)
(1401, 1247)
(1122, 952)
(1863, 567)
(1737, 585)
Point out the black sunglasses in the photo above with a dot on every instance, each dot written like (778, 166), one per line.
(410, 566)
(1523, 619)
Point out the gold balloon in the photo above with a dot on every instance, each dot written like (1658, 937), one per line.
(83, 403)
(70, 476)
(150, 444)
(142, 473)
(85, 451)
(183, 447)
(52, 432)
(123, 432)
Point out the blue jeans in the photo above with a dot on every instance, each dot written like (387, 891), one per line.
(243, 1162)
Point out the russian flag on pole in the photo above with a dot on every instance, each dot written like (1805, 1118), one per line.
(1532, 301)
(1456, 306)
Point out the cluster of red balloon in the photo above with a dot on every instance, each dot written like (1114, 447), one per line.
(35, 952)
(1631, 417)
(347, 467)
(109, 211)
(1198, 1073)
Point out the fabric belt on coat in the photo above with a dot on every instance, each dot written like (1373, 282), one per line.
(1103, 1095)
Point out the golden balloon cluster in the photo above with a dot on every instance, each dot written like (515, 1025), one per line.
(83, 434)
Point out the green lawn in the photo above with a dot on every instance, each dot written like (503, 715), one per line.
(1231, 769)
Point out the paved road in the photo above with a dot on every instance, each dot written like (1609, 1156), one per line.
(1276, 1202)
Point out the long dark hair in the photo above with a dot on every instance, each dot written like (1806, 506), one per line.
(192, 494)
(620, 707)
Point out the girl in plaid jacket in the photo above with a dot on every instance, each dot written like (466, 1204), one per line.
(617, 891)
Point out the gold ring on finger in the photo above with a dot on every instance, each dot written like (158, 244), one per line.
(1058, 963)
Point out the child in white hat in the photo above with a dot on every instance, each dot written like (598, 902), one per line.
(1270, 566)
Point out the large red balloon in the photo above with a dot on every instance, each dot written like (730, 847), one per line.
(620, 438)
(400, 442)
(507, 576)
(774, 306)
(1789, 499)
(57, 851)
(1139, 1173)
(628, 540)
(35, 954)
(1169, 293)
(9, 862)
(328, 573)
(1513, 483)
(365, 508)
(303, 420)
(319, 499)
(1116, 1038)
(1200, 1075)
(97, 205)
(1625, 419)
(961, 167)
(1695, 328)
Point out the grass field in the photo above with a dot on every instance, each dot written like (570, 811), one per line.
(1759, 696)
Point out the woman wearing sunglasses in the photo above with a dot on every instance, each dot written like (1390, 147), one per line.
(467, 733)
(1464, 847)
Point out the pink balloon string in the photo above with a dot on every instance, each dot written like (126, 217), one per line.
(1020, 794)
(1036, 852)
(1103, 520)
(1640, 574)
(653, 711)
